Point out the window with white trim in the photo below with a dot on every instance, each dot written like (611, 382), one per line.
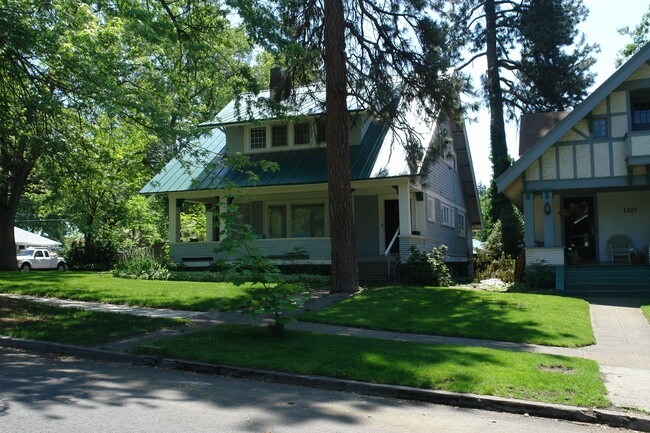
(461, 224)
(258, 138)
(302, 134)
(446, 215)
(300, 220)
(431, 210)
(279, 136)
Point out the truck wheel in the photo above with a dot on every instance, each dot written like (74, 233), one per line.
(60, 267)
(25, 267)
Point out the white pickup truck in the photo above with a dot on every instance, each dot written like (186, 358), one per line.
(39, 258)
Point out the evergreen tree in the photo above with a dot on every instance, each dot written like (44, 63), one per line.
(368, 49)
(640, 36)
(550, 73)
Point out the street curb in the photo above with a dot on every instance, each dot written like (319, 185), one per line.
(499, 404)
(71, 350)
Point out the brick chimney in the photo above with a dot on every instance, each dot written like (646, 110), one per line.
(279, 87)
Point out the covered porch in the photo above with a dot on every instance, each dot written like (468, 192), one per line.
(292, 222)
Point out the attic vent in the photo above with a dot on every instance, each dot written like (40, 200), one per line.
(279, 85)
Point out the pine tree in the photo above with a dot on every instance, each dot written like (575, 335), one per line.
(368, 48)
(550, 73)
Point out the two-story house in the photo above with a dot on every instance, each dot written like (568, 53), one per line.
(583, 184)
(397, 203)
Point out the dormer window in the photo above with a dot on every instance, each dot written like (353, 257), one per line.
(258, 138)
(279, 136)
(640, 105)
(321, 131)
(302, 134)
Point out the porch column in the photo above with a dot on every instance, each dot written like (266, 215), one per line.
(209, 222)
(529, 219)
(175, 206)
(223, 208)
(549, 227)
(404, 209)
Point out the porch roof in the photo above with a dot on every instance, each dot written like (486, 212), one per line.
(203, 168)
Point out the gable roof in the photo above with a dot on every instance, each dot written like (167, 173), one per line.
(23, 237)
(580, 111)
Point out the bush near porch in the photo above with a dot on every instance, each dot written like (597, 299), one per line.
(517, 317)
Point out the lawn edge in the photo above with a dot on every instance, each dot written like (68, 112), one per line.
(499, 404)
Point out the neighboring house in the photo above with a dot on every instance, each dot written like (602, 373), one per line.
(289, 208)
(583, 184)
(25, 239)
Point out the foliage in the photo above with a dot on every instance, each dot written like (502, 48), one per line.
(426, 268)
(469, 313)
(140, 264)
(132, 77)
(193, 223)
(640, 37)
(551, 73)
(645, 308)
(103, 255)
(540, 276)
(503, 267)
(463, 369)
(32, 320)
(277, 298)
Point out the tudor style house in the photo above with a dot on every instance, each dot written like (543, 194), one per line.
(583, 184)
(396, 204)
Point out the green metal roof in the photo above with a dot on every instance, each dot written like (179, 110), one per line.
(249, 108)
(203, 168)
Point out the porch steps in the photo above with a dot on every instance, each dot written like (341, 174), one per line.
(376, 270)
(604, 279)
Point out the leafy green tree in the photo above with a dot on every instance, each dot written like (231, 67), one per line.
(159, 66)
(640, 37)
(550, 73)
(366, 50)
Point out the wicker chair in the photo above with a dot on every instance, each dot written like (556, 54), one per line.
(620, 246)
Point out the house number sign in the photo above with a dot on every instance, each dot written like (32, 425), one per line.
(629, 210)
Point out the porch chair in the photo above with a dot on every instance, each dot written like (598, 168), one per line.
(620, 246)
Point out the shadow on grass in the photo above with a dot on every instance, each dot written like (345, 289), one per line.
(525, 318)
(90, 286)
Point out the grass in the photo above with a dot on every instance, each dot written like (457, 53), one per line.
(31, 320)
(539, 377)
(103, 287)
(517, 317)
(645, 307)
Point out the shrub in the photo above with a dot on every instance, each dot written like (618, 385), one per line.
(502, 268)
(101, 255)
(540, 276)
(426, 268)
(140, 265)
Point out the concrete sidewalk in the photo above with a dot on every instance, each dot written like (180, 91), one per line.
(622, 339)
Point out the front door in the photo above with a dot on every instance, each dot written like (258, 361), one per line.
(391, 224)
(579, 227)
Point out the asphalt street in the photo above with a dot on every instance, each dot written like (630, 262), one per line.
(53, 394)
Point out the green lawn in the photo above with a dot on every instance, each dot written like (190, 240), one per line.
(645, 307)
(31, 320)
(530, 376)
(518, 317)
(103, 287)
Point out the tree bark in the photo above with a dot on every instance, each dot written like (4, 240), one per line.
(344, 265)
(10, 193)
(501, 207)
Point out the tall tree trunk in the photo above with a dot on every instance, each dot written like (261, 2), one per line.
(501, 207)
(344, 263)
(10, 193)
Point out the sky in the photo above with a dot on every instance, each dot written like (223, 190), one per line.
(601, 27)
